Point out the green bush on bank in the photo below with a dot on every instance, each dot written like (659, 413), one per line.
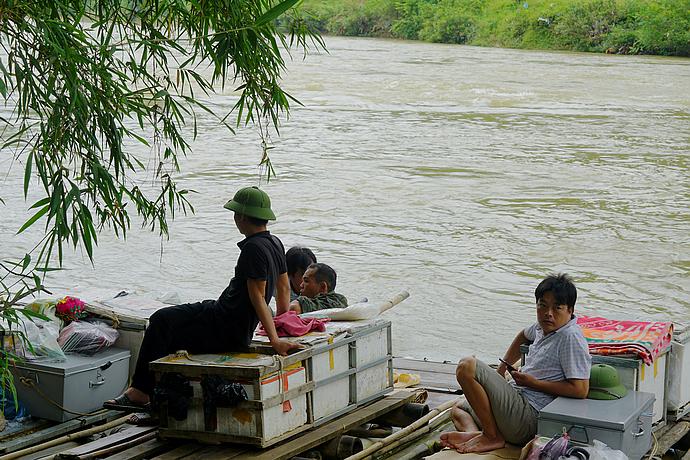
(613, 26)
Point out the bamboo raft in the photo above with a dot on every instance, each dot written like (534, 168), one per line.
(105, 434)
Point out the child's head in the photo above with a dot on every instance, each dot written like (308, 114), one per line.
(298, 259)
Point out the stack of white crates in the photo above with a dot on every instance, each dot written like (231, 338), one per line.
(347, 366)
(679, 371)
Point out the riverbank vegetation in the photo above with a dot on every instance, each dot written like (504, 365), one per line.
(612, 26)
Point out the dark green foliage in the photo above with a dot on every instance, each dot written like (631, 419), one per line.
(613, 26)
(584, 26)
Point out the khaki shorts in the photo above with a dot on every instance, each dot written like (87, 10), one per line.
(515, 417)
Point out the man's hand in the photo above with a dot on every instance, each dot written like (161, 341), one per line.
(282, 347)
(524, 380)
(502, 368)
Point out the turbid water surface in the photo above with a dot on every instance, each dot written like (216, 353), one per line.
(461, 174)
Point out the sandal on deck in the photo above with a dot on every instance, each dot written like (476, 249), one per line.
(143, 419)
(123, 403)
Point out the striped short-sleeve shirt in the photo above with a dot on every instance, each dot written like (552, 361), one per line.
(558, 356)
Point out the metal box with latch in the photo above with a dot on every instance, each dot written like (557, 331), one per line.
(623, 424)
(80, 384)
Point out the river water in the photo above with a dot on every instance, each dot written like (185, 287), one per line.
(460, 174)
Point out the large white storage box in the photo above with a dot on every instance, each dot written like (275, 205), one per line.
(624, 424)
(350, 364)
(80, 384)
(678, 391)
(277, 398)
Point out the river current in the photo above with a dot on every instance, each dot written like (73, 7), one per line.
(460, 174)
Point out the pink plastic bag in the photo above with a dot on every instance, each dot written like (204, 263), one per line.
(86, 337)
(555, 448)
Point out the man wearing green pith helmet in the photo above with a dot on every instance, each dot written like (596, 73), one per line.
(228, 323)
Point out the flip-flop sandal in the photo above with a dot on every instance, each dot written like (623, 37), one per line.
(143, 419)
(123, 403)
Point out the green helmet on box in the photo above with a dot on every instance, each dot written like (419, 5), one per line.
(252, 202)
(604, 383)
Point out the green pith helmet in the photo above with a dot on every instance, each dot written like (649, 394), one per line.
(604, 383)
(252, 202)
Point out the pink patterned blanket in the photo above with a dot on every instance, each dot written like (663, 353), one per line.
(645, 339)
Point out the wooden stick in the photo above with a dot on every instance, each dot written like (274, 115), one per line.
(402, 433)
(69, 437)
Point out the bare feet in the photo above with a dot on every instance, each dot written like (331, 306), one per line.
(481, 443)
(454, 439)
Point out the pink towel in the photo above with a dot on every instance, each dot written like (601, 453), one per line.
(645, 339)
(290, 324)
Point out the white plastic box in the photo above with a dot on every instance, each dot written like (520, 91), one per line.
(678, 391)
(80, 384)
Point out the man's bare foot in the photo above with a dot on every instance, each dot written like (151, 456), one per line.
(481, 443)
(454, 439)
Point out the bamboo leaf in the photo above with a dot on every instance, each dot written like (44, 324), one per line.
(27, 172)
(34, 218)
(41, 202)
(32, 314)
(26, 261)
(274, 12)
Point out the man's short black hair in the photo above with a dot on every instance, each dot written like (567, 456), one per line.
(298, 258)
(323, 272)
(562, 288)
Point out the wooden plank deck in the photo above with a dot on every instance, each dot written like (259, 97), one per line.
(438, 379)
(433, 375)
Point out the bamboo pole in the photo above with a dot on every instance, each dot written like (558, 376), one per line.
(402, 433)
(394, 301)
(62, 439)
(441, 419)
(421, 446)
